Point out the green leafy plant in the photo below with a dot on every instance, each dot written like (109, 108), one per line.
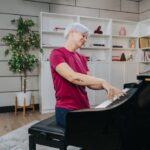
(20, 46)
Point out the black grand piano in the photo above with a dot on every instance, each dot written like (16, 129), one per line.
(121, 125)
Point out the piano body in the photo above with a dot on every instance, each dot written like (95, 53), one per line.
(122, 125)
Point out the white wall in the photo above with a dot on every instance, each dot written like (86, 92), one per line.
(11, 83)
(144, 10)
(10, 9)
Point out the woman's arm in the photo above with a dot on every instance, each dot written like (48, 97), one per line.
(69, 74)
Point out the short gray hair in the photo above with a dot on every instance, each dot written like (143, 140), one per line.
(76, 27)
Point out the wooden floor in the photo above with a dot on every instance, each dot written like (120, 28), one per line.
(9, 122)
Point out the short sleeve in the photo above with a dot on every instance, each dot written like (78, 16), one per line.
(56, 57)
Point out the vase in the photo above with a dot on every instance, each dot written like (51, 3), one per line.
(21, 96)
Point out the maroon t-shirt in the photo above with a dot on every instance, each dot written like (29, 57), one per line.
(68, 95)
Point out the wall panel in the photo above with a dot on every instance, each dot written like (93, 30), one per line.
(102, 4)
(119, 15)
(74, 10)
(4, 71)
(22, 7)
(8, 99)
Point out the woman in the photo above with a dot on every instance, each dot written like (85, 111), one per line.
(70, 74)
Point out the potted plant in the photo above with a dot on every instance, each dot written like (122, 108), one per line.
(20, 46)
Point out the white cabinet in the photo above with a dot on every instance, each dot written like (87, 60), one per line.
(131, 72)
(91, 93)
(123, 72)
(117, 74)
(47, 93)
(144, 51)
(102, 70)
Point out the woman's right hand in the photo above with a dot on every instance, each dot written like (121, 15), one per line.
(112, 91)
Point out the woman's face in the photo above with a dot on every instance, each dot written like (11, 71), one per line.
(79, 38)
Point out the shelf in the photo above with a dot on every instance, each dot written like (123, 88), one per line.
(144, 36)
(53, 32)
(98, 61)
(96, 48)
(145, 62)
(125, 62)
(145, 48)
(99, 35)
(127, 36)
(93, 23)
(125, 49)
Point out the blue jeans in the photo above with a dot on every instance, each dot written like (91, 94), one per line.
(60, 114)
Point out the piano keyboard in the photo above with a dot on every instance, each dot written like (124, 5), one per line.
(116, 100)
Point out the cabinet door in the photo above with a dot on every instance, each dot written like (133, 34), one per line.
(101, 71)
(47, 103)
(131, 71)
(91, 93)
(117, 74)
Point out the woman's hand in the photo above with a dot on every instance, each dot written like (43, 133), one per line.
(112, 91)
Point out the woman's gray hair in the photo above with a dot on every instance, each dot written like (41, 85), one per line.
(76, 27)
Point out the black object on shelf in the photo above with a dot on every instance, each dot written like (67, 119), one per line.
(98, 30)
(99, 45)
(117, 46)
(123, 57)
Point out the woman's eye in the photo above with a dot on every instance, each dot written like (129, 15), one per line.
(84, 36)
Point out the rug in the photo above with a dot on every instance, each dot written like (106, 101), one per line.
(18, 140)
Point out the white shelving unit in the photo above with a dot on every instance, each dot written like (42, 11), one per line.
(144, 52)
(103, 50)
(124, 43)
(51, 32)
(52, 29)
(99, 56)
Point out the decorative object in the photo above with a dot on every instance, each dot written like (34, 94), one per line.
(100, 45)
(59, 28)
(122, 31)
(20, 47)
(123, 57)
(144, 42)
(117, 46)
(115, 58)
(130, 57)
(147, 55)
(98, 30)
(132, 43)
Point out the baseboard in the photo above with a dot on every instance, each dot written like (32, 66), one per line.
(6, 109)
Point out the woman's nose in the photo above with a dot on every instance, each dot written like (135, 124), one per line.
(85, 39)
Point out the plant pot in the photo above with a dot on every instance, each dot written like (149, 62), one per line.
(21, 96)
